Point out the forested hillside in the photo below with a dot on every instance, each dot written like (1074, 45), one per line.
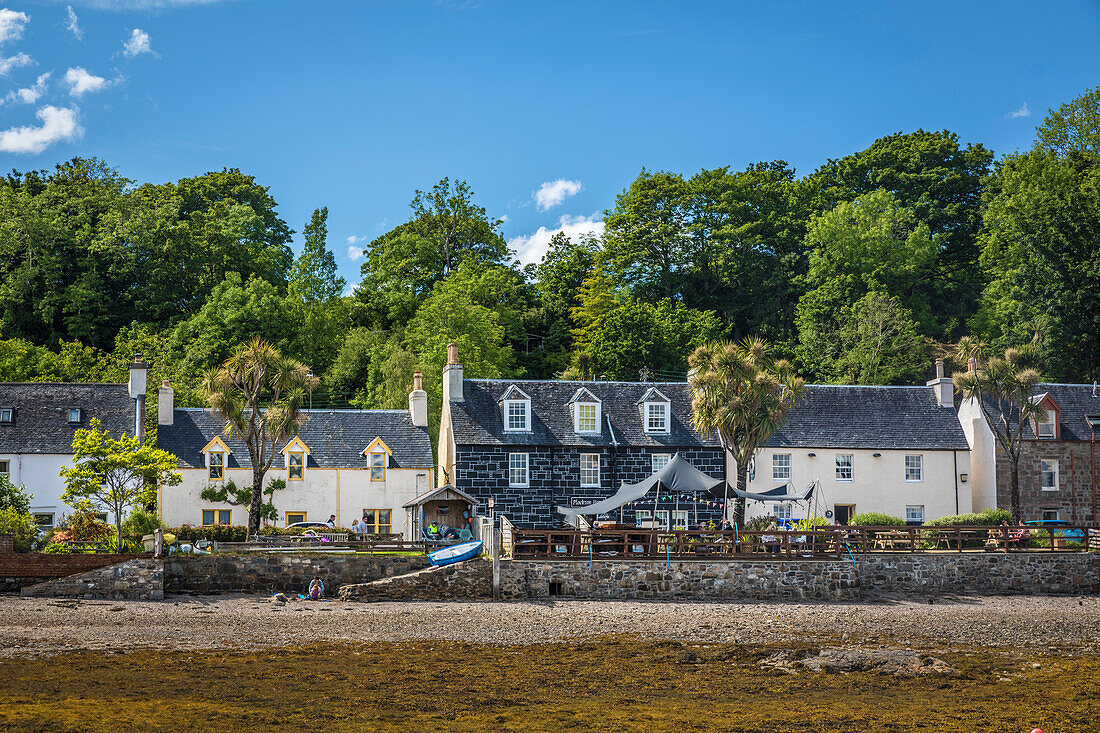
(860, 271)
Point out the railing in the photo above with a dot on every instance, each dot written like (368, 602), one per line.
(313, 543)
(822, 542)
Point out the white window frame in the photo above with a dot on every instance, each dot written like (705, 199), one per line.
(911, 514)
(782, 510)
(666, 418)
(1043, 513)
(79, 414)
(1049, 466)
(679, 518)
(916, 466)
(780, 471)
(590, 475)
(519, 476)
(7, 414)
(642, 515)
(839, 467)
(44, 525)
(661, 458)
(577, 426)
(5, 468)
(526, 414)
(1045, 429)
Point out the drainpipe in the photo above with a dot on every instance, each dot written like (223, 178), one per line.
(955, 458)
(613, 463)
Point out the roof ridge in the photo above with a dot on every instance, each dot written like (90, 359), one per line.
(66, 384)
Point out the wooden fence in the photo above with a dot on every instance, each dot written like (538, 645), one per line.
(823, 542)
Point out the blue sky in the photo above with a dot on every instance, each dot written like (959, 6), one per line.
(354, 104)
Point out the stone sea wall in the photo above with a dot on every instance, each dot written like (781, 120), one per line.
(133, 580)
(291, 573)
(469, 580)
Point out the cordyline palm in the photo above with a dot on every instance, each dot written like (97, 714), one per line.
(1002, 388)
(742, 395)
(259, 393)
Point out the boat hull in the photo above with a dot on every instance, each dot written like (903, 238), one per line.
(455, 553)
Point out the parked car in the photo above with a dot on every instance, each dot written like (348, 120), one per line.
(309, 525)
(1055, 527)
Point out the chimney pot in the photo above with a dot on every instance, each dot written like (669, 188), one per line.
(452, 353)
(418, 402)
(166, 404)
(939, 368)
(418, 380)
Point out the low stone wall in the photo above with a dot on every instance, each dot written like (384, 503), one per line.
(262, 573)
(20, 569)
(135, 580)
(469, 580)
(972, 573)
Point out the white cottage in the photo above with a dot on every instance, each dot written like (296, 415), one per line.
(897, 450)
(356, 464)
(38, 421)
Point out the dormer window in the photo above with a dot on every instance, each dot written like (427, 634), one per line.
(295, 465)
(7, 415)
(655, 412)
(215, 451)
(516, 405)
(586, 408)
(1045, 427)
(378, 457)
(74, 415)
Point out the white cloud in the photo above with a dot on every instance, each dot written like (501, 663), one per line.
(137, 44)
(552, 193)
(125, 5)
(1023, 111)
(355, 253)
(29, 95)
(81, 82)
(504, 219)
(12, 24)
(73, 24)
(57, 125)
(532, 247)
(14, 62)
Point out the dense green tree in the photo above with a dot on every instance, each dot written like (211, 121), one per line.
(1075, 126)
(314, 297)
(14, 497)
(403, 265)
(940, 181)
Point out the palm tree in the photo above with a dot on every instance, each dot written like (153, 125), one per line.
(742, 394)
(1001, 387)
(260, 395)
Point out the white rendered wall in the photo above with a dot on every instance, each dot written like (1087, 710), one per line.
(983, 450)
(40, 473)
(345, 492)
(877, 485)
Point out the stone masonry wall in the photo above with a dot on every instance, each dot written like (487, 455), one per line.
(468, 580)
(555, 478)
(985, 573)
(20, 569)
(134, 580)
(283, 572)
(1074, 499)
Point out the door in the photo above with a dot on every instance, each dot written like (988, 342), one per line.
(843, 513)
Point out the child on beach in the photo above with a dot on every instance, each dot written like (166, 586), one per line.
(316, 589)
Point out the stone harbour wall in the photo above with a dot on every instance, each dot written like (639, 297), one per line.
(20, 569)
(134, 580)
(291, 573)
(468, 580)
(979, 574)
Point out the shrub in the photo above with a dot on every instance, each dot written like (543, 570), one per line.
(187, 534)
(82, 526)
(810, 523)
(14, 497)
(984, 518)
(759, 524)
(876, 519)
(140, 523)
(21, 526)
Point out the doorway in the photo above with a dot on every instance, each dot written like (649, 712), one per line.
(843, 513)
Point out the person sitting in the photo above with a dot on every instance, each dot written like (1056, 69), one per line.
(450, 533)
(331, 521)
(316, 589)
(356, 527)
(1018, 537)
(433, 531)
(771, 541)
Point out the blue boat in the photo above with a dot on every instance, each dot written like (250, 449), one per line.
(455, 553)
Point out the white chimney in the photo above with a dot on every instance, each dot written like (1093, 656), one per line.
(418, 401)
(452, 376)
(942, 387)
(166, 404)
(138, 373)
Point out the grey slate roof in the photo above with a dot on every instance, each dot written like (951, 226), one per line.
(1076, 401)
(336, 438)
(887, 418)
(42, 414)
(478, 420)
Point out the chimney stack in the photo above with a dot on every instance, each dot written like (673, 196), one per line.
(452, 376)
(138, 372)
(166, 404)
(942, 387)
(418, 401)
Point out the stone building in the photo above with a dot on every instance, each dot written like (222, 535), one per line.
(1058, 463)
(38, 421)
(356, 464)
(532, 445)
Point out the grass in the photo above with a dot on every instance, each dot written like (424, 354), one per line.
(607, 684)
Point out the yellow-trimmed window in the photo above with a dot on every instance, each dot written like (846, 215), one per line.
(378, 521)
(217, 465)
(295, 463)
(294, 517)
(211, 517)
(378, 466)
